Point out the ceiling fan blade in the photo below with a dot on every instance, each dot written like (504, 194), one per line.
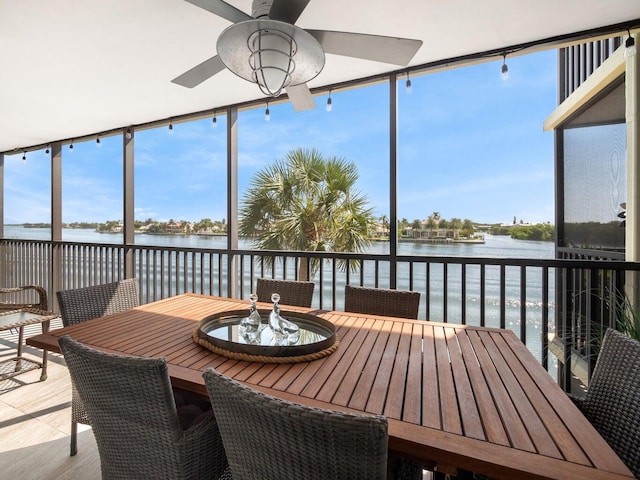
(200, 73)
(301, 97)
(222, 9)
(287, 10)
(397, 51)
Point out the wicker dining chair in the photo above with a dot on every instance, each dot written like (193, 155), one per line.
(267, 438)
(380, 301)
(297, 293)
(135, 419)
(82, 304)
(612, 401)
(14, 298)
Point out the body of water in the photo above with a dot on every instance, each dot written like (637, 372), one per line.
(495, 246)
(461, 292)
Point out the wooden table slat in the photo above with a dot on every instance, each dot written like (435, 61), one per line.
(412, 411)
(380, 387)
(431, 415)
(489, 415)
(538, 434)
(345, 391)
(449, 408)
(344, 366)
(471, 421)
(362, 390)
(398, 382)
(518, 435)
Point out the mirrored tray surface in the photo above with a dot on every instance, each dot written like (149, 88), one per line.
(226, 334)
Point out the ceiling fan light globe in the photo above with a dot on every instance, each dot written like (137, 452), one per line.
(236, 51)
(272, 60)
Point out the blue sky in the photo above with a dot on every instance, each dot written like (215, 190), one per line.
(470, 145)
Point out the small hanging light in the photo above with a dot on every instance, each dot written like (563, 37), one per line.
(71, 146)
(98, 140)
(267, 113)
(629, 46)
(215, 119)
(170, 127)
(408, 85)
(24, 157)
(47, 151)
(505, 68)
(329, 102)
(128, 134)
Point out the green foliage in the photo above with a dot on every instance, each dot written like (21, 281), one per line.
(628, 317)
(109, 226)
(85, 225)
(541, 231)
(306, 202)
(498, 230)
(618, 305)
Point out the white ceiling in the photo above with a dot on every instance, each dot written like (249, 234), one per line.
(78, 67)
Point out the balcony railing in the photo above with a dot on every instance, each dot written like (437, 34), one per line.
(569, 299)
(578, 62)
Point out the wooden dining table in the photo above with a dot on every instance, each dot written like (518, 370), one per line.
(457, 397)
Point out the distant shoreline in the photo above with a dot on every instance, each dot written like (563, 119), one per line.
(434, 241)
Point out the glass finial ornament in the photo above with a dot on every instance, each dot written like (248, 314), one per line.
(274, 316)
(284, 331)
(250, 328)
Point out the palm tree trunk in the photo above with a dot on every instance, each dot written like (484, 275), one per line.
(303, 269)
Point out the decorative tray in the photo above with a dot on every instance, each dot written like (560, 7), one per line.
(225, 333)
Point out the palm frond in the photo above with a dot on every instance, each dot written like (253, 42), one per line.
(305, 202)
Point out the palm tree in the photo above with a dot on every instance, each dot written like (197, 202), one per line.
(416, 227)
(306, 202)
(455, 224)
(431, 224)
(467, 228)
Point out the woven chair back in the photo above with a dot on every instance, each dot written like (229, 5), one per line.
(82, 304)
(273, 439)
(134, 418)
(380, 301)
(297, 293)
(612, 402)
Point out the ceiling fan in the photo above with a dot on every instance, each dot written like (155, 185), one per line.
(268, 49)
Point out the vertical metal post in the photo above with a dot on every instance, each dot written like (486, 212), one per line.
(128, 213)
(632, 229)
(393, 180)
(55, 267)
(3, 263)
(1, 195)
(232, 201)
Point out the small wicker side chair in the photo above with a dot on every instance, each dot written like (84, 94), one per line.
(135, 419)
(380, 301)
(268, 438)
(612, 401)
(297, 293)
(82, 304)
